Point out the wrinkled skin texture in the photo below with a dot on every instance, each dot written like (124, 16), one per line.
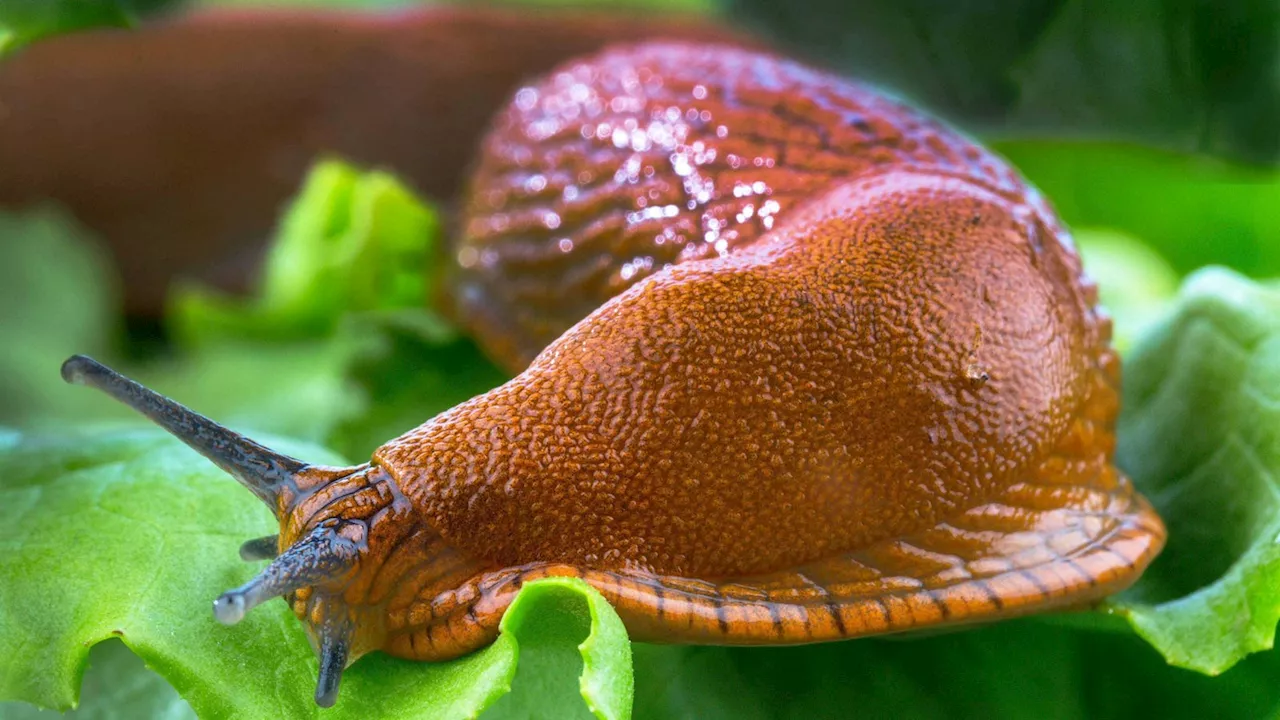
(616, 167)
(813, 389)
(846, 375)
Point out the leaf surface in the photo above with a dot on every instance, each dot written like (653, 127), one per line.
(134, 535)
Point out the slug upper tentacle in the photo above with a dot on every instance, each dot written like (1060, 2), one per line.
(266, 473)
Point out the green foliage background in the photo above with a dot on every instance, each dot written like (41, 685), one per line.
(117, 537)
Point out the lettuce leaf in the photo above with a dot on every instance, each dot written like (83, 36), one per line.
(1135, 283)
(134, 535)
(350, 242)
(26, 21)
(117, 684)
(345, 299)
(57, 297)
(1200, 434)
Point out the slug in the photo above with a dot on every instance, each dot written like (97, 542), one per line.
(795, 363)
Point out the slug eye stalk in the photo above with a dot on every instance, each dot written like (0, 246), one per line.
(265, 472)
(327, 553)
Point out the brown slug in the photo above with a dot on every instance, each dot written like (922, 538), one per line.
(796, 364)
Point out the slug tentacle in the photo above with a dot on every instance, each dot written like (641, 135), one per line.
(265, 472)
(263, 548)
(333, 644)
(323, 559)
(327, 553)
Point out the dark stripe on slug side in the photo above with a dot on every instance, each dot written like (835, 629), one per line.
(943, 608)
(660, 600)
(829, 604)
(718, 604)
(1125, 560)
(1088, 576)
(1036, 582)
(775, 618)
(885, 612)
(429, 629)
(833, 608)
(992, 596)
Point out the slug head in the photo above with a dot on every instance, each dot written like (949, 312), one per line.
(335, 527)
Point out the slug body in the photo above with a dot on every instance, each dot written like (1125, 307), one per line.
(796, 364)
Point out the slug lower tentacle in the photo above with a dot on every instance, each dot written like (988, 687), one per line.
(263, 548)
(795, 363)
(327, 553)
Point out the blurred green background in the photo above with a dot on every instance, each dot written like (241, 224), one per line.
(1151, 125)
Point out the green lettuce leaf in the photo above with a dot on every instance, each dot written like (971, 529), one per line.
(1014, 669)
(350, 242)
(296, 389)
(117, 686)
(58, 297)
(1200, 434)
(566, 629)
(134, 534)
(25, 21)
(407, 369)
(342, 320)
